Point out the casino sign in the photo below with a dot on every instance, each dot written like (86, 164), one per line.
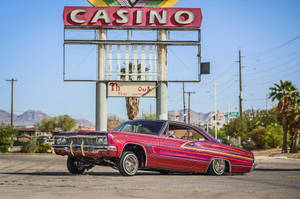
(133, 3)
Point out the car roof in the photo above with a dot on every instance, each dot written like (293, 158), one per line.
(179, 123)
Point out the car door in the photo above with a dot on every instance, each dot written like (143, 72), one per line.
(176, 150)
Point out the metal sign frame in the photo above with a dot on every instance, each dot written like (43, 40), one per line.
(130, 43)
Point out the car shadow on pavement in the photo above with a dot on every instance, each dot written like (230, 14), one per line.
(117, 174)
(277, 169)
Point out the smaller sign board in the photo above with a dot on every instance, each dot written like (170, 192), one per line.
(131, 89)
(232, 114)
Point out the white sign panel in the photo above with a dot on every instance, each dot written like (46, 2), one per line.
(131, 89)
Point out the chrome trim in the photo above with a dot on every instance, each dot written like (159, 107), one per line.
(253, 166)
(82, 149)
(71, 148)
(80, 137)
(100, 148)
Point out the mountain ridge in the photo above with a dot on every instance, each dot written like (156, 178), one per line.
(30, 117)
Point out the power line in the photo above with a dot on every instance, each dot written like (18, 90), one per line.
(273, 73)
(277, 47)
(272, 67)
(275, 59)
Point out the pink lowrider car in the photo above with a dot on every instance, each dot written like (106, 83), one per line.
(155, 145)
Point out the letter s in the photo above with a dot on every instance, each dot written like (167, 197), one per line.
(121, 13)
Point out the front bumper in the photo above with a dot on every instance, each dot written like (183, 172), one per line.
(253, 166)
(83, 150)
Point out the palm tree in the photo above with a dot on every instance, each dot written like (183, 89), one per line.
(132, 103)
(294, 117)
(284, 93)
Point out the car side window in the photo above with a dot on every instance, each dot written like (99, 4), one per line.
(185, 133)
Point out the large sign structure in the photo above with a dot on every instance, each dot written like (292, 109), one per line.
(144, 17)
(133, 3)
(145, 67)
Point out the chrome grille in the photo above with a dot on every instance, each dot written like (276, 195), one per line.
(80, 140)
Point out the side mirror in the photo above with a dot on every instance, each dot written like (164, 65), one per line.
(221, 141)
(170, 134)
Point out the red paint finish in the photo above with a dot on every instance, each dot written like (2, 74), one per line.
(172, 153)
(140, 17)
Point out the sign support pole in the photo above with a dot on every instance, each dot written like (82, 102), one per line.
(162, 89)
(101, 97)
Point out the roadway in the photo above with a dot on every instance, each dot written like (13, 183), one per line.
(46, 176)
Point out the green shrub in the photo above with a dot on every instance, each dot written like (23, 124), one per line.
(258, 136)
(30, 146)
(274, 134)
(43, 148)
(7, 135)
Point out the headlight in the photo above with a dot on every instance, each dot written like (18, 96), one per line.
(63, 140)
(60, 140)
(101, 140)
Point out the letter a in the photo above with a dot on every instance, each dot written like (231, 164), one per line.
(101, 14)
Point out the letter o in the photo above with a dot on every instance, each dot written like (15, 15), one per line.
(190, 19)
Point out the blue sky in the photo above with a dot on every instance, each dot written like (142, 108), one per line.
(31, 51)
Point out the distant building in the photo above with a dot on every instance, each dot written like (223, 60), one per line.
(219, 119)
(32, 132)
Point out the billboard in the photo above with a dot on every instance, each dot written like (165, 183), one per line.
(139, 17)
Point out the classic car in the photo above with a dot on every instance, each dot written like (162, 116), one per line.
(153, 145)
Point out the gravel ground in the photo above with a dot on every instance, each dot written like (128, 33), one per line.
(46, 176)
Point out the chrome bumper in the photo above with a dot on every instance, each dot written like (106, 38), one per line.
(83, 149)
(253, 166)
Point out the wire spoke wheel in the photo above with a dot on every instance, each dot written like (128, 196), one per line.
(218, 167)
(128, 164)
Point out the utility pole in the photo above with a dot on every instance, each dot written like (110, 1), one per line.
(241, 88)
(183, 95)
(189, 116)
(12, 101)
(215, 120)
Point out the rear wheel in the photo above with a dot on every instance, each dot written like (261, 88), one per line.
(128, 164)
(75, 166)
(217, 167)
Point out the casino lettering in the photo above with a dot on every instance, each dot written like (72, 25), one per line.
(132, 16)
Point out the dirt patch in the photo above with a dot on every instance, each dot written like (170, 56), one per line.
(276, 153)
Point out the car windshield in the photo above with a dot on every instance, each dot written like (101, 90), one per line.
(144, 127)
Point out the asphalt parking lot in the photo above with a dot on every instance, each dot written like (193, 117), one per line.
(46, 176)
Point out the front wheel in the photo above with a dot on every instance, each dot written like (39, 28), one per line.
(128, 164)
(217, 167)
(75, 166)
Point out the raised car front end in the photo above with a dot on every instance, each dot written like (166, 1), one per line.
(83, 145)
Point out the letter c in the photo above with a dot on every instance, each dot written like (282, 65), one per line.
(74, 14)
